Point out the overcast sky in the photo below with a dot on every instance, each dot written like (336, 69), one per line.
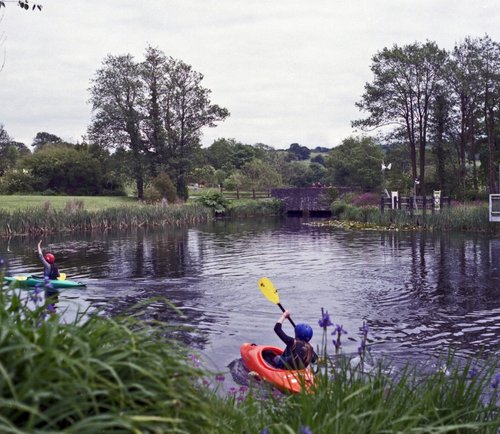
(289, 71)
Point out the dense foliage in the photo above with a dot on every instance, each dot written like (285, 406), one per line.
(446, 102)
(93, 375)
(437, 112)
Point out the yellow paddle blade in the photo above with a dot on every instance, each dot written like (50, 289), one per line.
(21, 277)
(268, 289)
(62, 276)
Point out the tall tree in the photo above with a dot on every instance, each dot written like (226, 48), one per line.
(405, 82)
(117, 98)
(490, 81)
(186, 110)
(42, 138)
(158, 107)
(463, 80)
(154, 71)
(356, 162)
(10, 151)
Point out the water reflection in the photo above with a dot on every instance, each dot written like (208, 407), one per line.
(419, 292)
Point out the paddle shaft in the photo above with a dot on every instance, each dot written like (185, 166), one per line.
(283, 310)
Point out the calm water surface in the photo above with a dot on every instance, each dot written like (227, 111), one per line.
(420, 293)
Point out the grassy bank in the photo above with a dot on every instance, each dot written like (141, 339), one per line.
(11, 203)
(122, 375)
(41, 214)
(40, 220)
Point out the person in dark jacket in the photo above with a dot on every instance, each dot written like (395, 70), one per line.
(50, 269)
(298, 353)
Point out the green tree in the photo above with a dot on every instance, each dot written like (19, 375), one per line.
(44, 138)
(235, 182)
(204, 175)
(165, 187)
(157, 108)
(299, 152)
(154, 71)
(463, 80)
(221, 154)
(117, 98)
(406, 80)
(187, 109)
(490, 83)
(356, 162)
(63, 169)
(259, 175)
(229, 154)
(10, 151)
(298, 174)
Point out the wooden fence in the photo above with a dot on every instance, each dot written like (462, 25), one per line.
(415, 203)
(246, 194)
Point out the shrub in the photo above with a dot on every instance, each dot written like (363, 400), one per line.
(16, 181)
(215, 200)
(165, 187)
(366, 199)
(338, 207)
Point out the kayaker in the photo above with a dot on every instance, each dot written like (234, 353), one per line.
(49, 263)
(298, 353)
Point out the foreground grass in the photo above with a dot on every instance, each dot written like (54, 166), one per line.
(97, 376)
(121, 375)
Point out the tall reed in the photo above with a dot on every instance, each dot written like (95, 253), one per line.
(456, 218)
(40, 220)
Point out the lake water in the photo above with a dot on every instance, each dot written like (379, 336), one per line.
(420, 293)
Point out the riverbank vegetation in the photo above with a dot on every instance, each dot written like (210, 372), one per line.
(74, 217)
(41, 214)
(362, 212)
(106, 375)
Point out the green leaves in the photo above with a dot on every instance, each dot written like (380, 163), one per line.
(215, 200)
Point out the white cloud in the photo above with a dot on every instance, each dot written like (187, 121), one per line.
(287, 70)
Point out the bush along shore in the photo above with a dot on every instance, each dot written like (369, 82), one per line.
(121, 375)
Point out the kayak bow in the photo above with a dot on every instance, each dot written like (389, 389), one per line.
(258, 358)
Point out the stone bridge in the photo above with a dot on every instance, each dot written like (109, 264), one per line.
(306, 200)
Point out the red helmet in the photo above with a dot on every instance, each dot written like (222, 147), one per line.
(50, 258)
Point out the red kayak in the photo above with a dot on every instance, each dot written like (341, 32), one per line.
(258, 359)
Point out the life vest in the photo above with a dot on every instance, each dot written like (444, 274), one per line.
(301, 355)
(53, 272)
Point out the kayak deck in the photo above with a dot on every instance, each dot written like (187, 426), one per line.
(258, 359)
(31, 280)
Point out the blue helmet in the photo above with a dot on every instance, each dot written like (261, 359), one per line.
(303, 332)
